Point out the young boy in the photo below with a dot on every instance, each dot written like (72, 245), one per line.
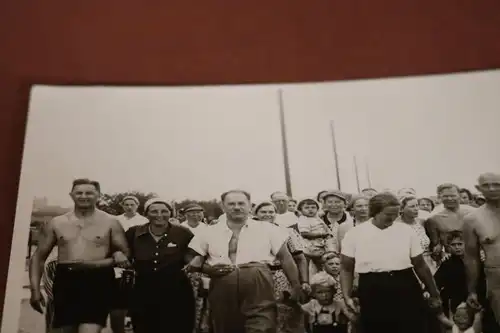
(324, 313)
(331, 266)
(450, 277)
(314, 231)
(465, 321)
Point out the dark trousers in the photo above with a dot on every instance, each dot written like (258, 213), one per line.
(392, 302)
(243, 301)
(163, 302)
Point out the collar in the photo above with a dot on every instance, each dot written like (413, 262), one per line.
(143, 229)
(223, 224)
(342, 219)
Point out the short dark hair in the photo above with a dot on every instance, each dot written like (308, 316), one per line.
(447, 186)
(469, 194)
(381, 201)
(245, 193)
(307, 202)
(293, 200)
(368, 189)
(454, 235)
(86, 181)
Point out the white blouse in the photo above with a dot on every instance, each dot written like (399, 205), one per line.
(381, 250)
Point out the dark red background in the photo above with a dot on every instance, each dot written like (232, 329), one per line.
(221, 42)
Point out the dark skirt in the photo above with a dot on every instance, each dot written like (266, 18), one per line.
(82, 296)
(163, 302)
(392, 302)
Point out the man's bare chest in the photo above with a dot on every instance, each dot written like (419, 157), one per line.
(488, 230)
(74, 232)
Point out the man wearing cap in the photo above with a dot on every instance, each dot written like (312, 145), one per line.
(194, 218)
(284, 218)
(128, 219)
(334, 204)
(237, 254)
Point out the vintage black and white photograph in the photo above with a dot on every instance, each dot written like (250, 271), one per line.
(352, 206)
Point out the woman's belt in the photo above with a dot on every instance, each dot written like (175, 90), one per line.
(402, 272)
(275, 268)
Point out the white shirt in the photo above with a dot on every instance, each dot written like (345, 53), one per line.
(128, 223)
(381, 250)
(286, 220)
(258, 242)
(200, 227)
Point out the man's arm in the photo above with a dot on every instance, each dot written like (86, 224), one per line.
(46, 244)
(432, 231)
(118, 239)
(471, 257)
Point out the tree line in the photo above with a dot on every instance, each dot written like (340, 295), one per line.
(111, 203)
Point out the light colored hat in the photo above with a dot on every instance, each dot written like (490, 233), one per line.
(262, 204)
(130, 197)
(156, 200)
(336, 194)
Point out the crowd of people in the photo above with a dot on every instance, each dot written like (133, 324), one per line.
(370, 262)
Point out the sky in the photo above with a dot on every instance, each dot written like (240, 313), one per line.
(199, 142)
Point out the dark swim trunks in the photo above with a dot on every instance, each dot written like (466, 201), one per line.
(82, 296)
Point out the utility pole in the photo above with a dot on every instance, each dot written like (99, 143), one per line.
(335, 155)
(368, 175)
(284, 144)
(357, 174)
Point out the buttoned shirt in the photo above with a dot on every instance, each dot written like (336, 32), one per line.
(381, 250)
(258, 242)
(151, 255)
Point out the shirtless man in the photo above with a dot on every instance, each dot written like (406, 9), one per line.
(482, 231)
(90, 242)
(450, 218)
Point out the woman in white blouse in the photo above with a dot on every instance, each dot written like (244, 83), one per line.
(386, 254)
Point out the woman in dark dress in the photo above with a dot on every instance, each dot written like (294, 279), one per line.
(162, 299)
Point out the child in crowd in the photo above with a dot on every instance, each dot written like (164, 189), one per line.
(331, 266)
(324, 314)
(314, 231)
(465, 321)
(450, 277)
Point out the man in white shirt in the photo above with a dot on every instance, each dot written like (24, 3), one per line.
(284, 217)
(128, 219)
(237, 252)
(194, 218)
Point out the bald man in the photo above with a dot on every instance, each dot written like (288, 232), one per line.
(482, 230)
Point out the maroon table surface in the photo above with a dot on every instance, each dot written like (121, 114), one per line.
(223, 42)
